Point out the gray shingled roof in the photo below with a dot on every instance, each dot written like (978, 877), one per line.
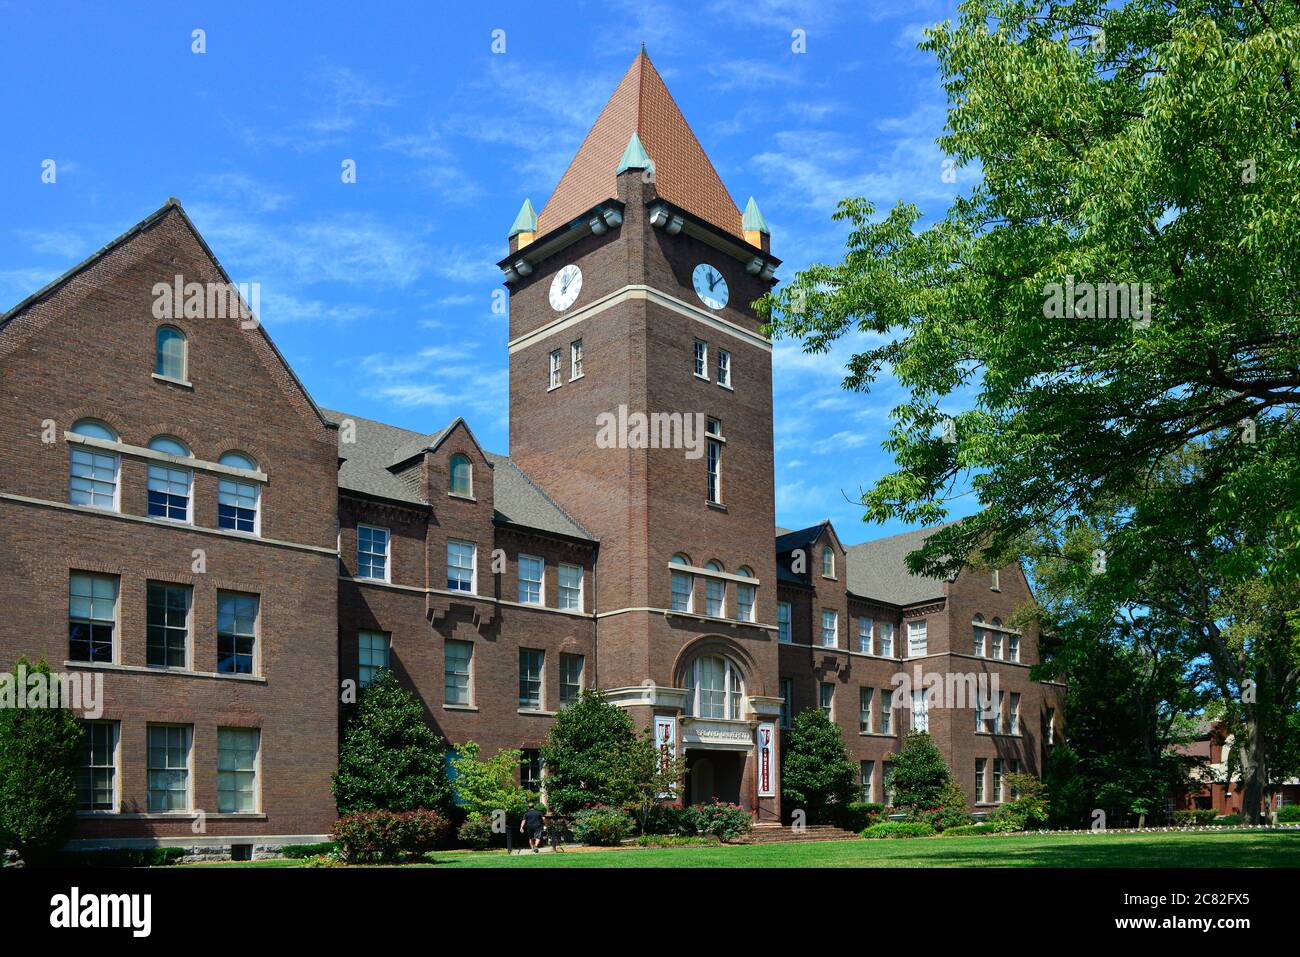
(878, 570)
(366, 469)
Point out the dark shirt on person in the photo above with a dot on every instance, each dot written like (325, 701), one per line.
(533, 820)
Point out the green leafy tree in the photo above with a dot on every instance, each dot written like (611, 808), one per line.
(483, 787)
(921, 778)
(644, 776)
(1064, 788)
(1116, 290)
(390, 759)
(817, 775)
(40, 753)
(583, 752)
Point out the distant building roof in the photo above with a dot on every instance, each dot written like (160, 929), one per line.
(878, 569)
(368, 465)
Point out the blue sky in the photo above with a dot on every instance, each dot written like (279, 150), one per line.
(379, 292)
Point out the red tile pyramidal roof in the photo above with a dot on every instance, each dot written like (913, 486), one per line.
(641, 104)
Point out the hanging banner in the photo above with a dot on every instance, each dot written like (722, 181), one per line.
(766, 769)
(666, 742)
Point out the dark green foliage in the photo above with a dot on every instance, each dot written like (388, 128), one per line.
(893, 829)
(390, 759)
(921, 777)
(1067, 799)
(583, 753)
(301, 851)
(1288, 814)
(40, 753)
(817, 775)
(856, 815)
(121, 857)
(1194, 817)
(602, 825)
(1025, 812)
(969, 830)
(475, 832)
(726, 822)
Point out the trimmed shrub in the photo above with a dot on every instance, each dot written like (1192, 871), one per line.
(950, 811)
(1023, 813)
(475, 832)
(1194, 818)
(726, 822)
(857, 815)
(1288, 814)
(1228, 820)
(385, 836)
(668, 819)
(817, 774)
(602, 825)
(300, 852)
(675, 840)
(967, 830)
(122, 857)
(892, 829)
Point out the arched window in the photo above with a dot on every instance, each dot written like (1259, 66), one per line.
(171, 355)
(715, 592)
(828, 562)
(683, 584)
(462, 476)
(995, 639)
(169, 486)
(92, 472)
(746, 595)
(237, 498)
(717, 688)
(978, 633)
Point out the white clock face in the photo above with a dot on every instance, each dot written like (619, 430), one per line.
(710, 286)
(565, 287)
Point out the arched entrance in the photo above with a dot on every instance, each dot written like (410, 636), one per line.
(717, 734)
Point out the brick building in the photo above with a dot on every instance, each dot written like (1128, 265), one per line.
(177, 516)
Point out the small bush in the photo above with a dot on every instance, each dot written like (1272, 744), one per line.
(726, 822)
(386, 836)
(1228, 820)
(123, 857)
(668, 819)
(1194, 818)
(602, 825)
(300, 852)
(856, 815)
(966, 830)
(1288, 814)
(892, 829)
(475, 832)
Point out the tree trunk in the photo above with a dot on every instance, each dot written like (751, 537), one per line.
(1254, 768)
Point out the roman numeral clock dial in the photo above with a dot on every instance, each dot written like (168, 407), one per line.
(565, 287)
(710, 286)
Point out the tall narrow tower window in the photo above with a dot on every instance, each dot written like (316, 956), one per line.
(714, 434)
(556, 373)
(575, 360)
(724, 368)
(701, 359)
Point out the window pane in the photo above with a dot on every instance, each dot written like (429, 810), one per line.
(96, 778)
(372, 552)
(372, 656)
(530, 678)
(92, 617)
(236, 632)
(237, 505)
(570, 677)
(167, 625)
(530, 580)
(571, 587)
(237, 770)
(460, 566)
(169, 768)
(170, 355)
(456, 672)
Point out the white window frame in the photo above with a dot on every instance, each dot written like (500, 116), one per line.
(575, 359)
(834, 628)
(887, 711)
(732, 691)
(746, 609)
(233, 491)
(866, 709)
(715, 597)
(981, 780)
(918, 627)
(1013, 647)
(184, 377)
(86, 769)
(867, 781)
(91, 459)
(995, 583)
(687, 579)
(713, 460)
(187, 663)
(468, 673)
(557, 370)
(473, 566)
(724, 368)
(386, 554)
(920, 710)
(701, 360)
(866, 630)
(887, 639)
(524, 586)
(826, 709)
(568, 594)
(999, 782)
(188, 740)
(115, 621)
(1013, 713)
(828, 562)
(455, 460)
(171, 477)
(255, 666)
(995, 645)
(255, 771)
(540, 705)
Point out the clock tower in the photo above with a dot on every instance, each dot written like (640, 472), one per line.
(641, 401)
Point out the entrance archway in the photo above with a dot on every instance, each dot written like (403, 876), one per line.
(714, 776)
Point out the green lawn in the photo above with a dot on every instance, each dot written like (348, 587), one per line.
(1172, 849)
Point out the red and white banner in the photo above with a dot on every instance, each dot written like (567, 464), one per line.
(666, 735)
(766, 757)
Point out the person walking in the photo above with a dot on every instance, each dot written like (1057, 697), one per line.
(531, 826)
